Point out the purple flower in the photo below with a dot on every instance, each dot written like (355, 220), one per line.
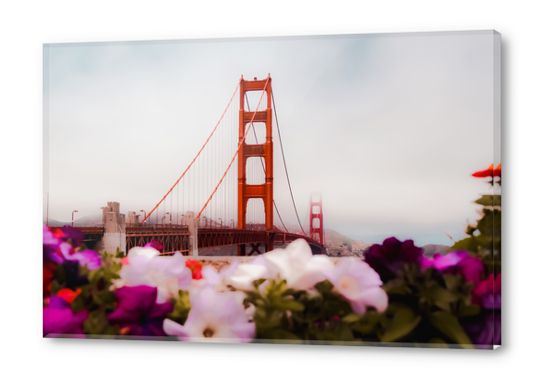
(58, 318)
(457, 263)
(75, 235)
(139, 312)
(56, 249)
(388, 258)
(487, 294)
(485, 331)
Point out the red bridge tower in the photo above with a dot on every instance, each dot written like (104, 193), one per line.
(262, 191)
(316, 218)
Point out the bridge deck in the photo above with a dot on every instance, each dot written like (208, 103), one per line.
(177, 238)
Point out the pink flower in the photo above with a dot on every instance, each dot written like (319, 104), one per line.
(359, 284)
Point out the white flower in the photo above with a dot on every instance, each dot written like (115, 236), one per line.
(244, 275)
(167, 273)
(297, 265)
(214, 317)
(358, 283)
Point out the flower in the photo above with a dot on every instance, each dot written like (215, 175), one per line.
(56, 249)
(49, 271)
(359, 284)
(68, 295)
(488, 293)
(388, 258)
(214, 317)
(457, 263)
(146, 267)
(138, 312)
(58, 318)
(195, 267)
(155, 245)
(297, 265)
(488, 172)
(485, 331)
(212, 277)
(244, 274)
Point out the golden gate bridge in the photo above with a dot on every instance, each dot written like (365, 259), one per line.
(211, 204)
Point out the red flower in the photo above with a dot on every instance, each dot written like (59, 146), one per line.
(49, 270)
(194, 266)
(488, 172)
(68, 295)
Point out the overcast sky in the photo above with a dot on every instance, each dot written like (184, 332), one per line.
(388, 128)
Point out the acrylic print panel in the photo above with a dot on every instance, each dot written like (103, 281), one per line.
(336, 189)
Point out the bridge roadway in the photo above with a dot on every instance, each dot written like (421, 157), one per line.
(177, 238)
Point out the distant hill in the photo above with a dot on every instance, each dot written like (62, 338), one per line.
(91, 220)
(341, 245)
(432, 249)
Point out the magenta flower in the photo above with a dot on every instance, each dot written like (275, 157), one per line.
(486, 330)
(388, 258)
(487, 293)
(56, 249)
(139, 312)
(58, 318)
(457, 263)
(214, 317)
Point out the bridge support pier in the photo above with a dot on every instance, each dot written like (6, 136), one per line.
(114, 224)
(192, 224)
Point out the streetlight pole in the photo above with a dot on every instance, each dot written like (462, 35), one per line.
(232, 223)
(204, 222)
(72, 216)
(144, 215)
(220, 222)
(47, 219)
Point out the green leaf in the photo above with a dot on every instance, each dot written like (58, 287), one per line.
(352, 317)
(439, 294)
(450, 327)
(289, 305)
(403, 322)
(489, 200)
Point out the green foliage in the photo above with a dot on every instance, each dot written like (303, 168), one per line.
(181, 308)
(424, 306)
(485, 237)
(283, 313)
(97, 296)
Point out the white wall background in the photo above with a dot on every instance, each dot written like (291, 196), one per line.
(25, 26)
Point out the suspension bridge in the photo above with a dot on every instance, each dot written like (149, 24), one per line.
(224, 197)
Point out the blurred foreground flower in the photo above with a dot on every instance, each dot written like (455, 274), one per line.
(457, 263)
(138, 313)
(488, 293)
(358, 283)
(297, 265)
(58, 318)
(388, 258)
(195, 267)
(213, 318)
(488, 172)
(167, 273)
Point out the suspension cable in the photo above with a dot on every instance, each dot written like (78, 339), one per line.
(263, 168)
(237, 151)
(197, 155)
(284, 161)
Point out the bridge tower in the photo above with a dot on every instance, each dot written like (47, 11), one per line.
(260, 191)
(316, 218)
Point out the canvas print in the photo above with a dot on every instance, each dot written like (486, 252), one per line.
(340, 190)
